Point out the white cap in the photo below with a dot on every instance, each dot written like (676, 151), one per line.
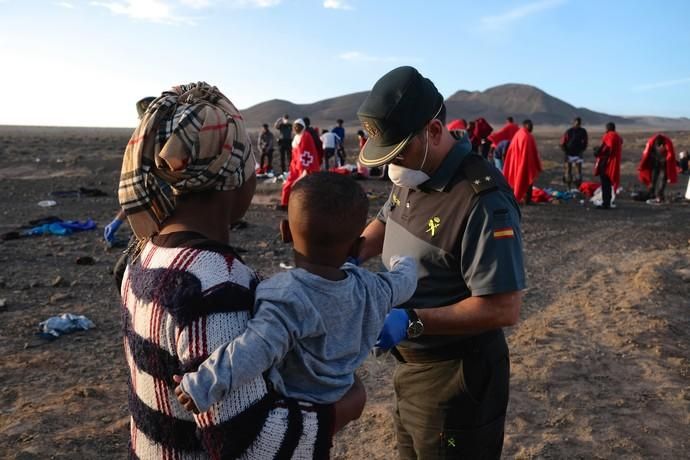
(299, 121)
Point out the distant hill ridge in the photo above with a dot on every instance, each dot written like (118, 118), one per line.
(495, 104)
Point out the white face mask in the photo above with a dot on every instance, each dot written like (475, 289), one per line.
(406, 177)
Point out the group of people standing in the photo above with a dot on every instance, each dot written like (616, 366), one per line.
(328, 145)
(513, 150)
(303, 150)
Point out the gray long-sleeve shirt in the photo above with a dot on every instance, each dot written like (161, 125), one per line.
(309, 332)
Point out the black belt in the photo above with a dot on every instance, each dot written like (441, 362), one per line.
(449, 351)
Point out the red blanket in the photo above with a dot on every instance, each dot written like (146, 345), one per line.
(456, 125)
(305, 156)
(540, 196)
(588, 188)
(482, 128)
(506, 133)
(645, 167)
(522, 164)
(610, 151)
(341, 170)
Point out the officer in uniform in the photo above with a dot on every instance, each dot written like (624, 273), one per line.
(458, 217)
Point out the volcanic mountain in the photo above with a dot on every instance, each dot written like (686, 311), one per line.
(516, 100)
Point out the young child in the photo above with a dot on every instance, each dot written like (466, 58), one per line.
(313, 325)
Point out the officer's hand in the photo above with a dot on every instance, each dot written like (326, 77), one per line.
(110, 230)
(394, 329)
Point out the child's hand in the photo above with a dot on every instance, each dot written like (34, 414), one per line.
(393, 261)
(182, 397)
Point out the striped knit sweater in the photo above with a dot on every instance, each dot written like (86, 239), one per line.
(182, 298)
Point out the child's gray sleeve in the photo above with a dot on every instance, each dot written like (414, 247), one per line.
(267, 339)
(401, 280)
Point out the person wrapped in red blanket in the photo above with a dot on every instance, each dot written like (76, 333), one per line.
(658, 166)
(608, 164)
(500, 140)
(305, 160)
(522, 163)
(506, 132)
(478, 136)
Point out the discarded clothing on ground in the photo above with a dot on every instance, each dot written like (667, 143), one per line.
(598, 199)
(62, 228)
(588, 188)
(66, 323)
(540, 196)
(22, 231)
(559, 195)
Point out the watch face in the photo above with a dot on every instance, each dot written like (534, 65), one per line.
(415, 329)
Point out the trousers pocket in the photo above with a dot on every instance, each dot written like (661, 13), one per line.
(485, 442)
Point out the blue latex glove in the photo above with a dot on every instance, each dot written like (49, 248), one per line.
(394, 329)
(110, 230)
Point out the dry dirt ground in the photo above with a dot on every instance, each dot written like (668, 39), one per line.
(600, 360)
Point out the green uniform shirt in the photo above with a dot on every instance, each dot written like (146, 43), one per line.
(463, 228)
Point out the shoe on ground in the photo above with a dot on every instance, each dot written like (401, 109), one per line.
(655, 201)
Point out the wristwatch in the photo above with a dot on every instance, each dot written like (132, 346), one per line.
(415, 326)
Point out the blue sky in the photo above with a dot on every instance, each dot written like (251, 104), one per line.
(85, 63)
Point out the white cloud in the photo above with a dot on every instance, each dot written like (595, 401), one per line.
(661, 84)
(253, 3)
(167, 11)
(146, 10)
(337, 5)
(196, 4)
(518, 13)
(67, 5)
(356, 56)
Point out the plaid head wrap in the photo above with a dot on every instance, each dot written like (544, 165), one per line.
(190, 139)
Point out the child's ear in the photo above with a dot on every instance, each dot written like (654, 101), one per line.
(354, 249)
(285, 233)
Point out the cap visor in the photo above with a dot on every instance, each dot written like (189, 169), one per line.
(373, 155)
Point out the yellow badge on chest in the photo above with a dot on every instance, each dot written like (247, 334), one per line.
(433, 224)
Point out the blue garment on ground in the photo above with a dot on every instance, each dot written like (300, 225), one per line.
(559, 195)
(64, 324)
(62, 228)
